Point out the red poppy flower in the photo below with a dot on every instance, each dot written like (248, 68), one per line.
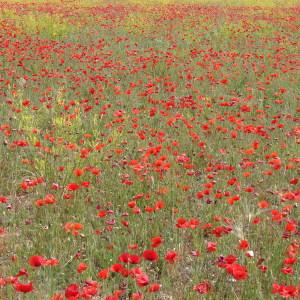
(137, 296)
(134, 259)
(78, 172)
(81, 267)
(202, 287)
(36, 261)
(156, 241)
(73, 186)
(23, 288)
(243, 244)
(124, 257)
(117, 268)
(171, 256)
(142, 280)
(237, 271)
(72, 291)
(3, 199)
(103, 274)
(211, 247)
(150, 255)
(155, 287)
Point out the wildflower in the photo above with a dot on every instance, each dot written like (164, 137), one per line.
(36, 261)
(72, 291)
(23, 287)
(202, 287)
(237, 271)
(150, 255)
(171, 256)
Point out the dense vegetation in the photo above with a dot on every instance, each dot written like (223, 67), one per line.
(149, 151)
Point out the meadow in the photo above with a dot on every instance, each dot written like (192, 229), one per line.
(149, 150)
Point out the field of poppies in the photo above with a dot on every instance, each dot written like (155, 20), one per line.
(149, 150)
